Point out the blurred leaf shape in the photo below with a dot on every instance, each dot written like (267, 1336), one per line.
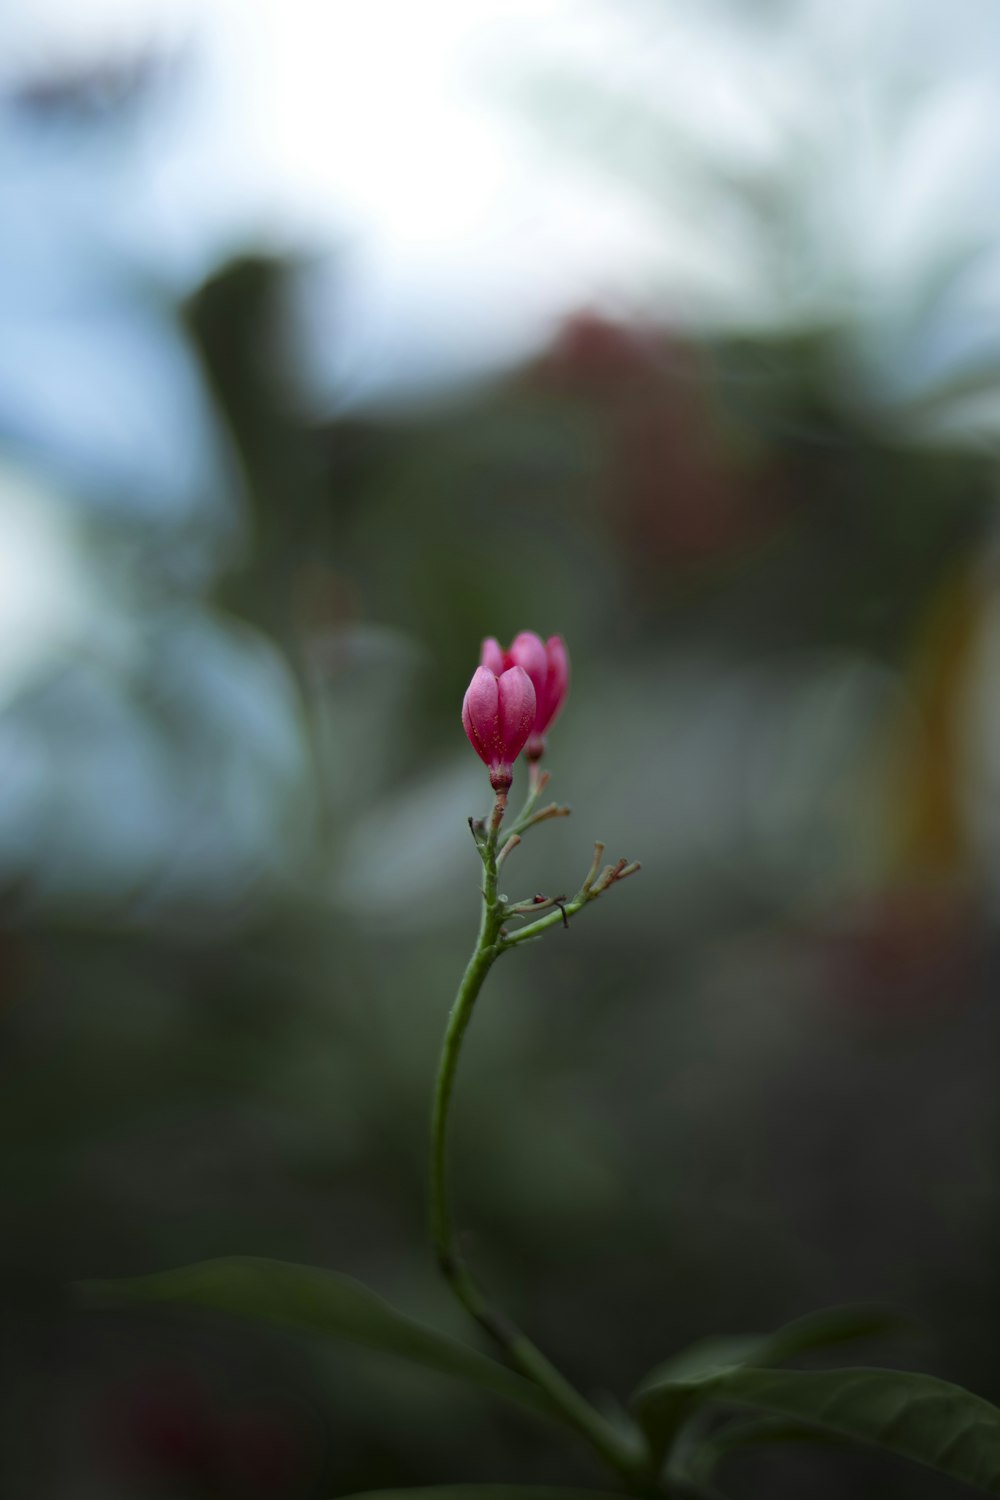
(318, 1302)
(913, 1416)
(750, 1432)
(819, 1330)
(486, 1492)
(675, 1385)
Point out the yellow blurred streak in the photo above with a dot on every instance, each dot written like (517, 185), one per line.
(926, 832)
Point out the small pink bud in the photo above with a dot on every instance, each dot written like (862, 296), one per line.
(556, 684)
(491, 656)
(498, 713)
(547, 664)
(528, 651)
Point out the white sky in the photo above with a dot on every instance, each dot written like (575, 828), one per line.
(393, 137)
(382, 133)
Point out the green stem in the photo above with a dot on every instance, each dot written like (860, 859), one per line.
(626, 1456)
(592, 887)
(551, 919)
(539, 781)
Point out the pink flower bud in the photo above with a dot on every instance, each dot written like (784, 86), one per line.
(498, 713)
(547, 664)
(556, 684)
(491, 656)
(528, 651)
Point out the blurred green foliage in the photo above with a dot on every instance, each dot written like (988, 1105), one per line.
(758, 1082)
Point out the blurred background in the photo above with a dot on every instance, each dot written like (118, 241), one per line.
(333, 338)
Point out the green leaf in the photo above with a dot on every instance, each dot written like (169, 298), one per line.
(749, 1432)
(707, 1357)
(827, 1328)
(506, 1492)
(319, 1302)
(485, 1492)
(676, 1379)
(754, 1432)
(819, 1330)
(915, 1416)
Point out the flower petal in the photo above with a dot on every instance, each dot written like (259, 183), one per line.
(528, 651)
(491, 656)
(481, 715)
(556, 683)
(517, 704)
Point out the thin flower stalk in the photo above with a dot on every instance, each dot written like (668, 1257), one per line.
(498, 735)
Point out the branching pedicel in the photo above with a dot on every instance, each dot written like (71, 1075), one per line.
(510, 703)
